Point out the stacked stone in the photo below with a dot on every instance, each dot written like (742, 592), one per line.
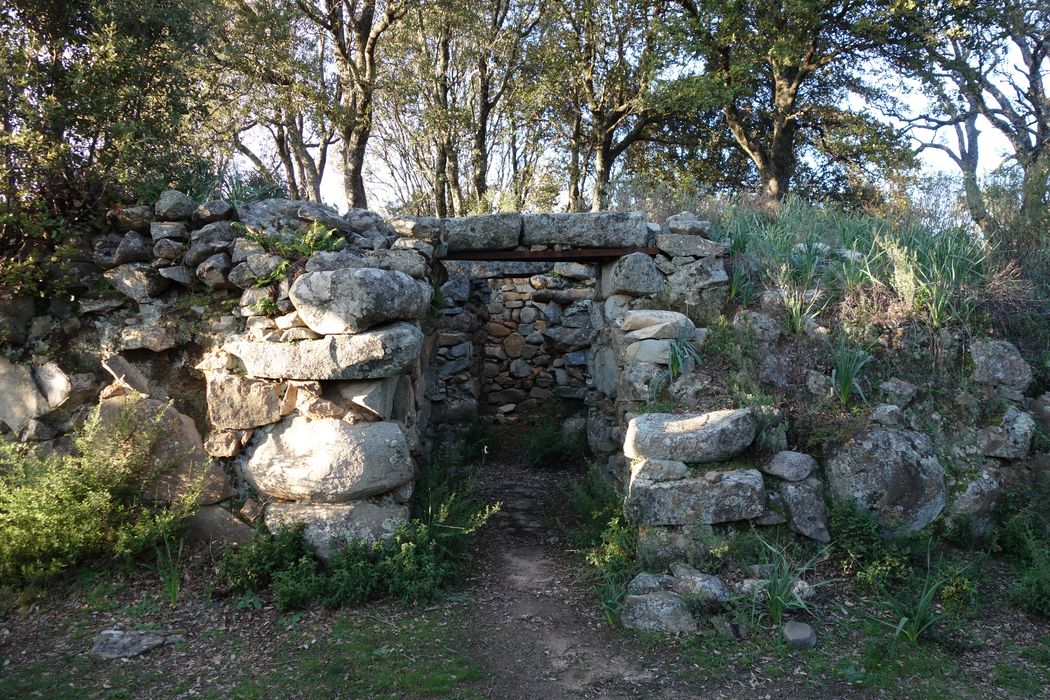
(538, 333)
(630, 361)
(330, 417)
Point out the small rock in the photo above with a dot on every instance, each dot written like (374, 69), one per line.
(649, 583)
(888, 414)
(898, 391)
(793, 466)
(799, 635)
(174, 206)
(706, 588)
(661, 611)
(120, 644)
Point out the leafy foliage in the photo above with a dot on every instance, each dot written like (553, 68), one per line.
(421, 557)
(609, 543)
(60, 511)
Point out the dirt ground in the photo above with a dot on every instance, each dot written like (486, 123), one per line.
(524, 622)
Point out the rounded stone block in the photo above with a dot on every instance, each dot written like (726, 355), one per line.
(329, 460)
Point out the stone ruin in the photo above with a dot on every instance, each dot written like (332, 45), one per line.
(320, 384)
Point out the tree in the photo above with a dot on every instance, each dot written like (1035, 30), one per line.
(355, 29)
(101, 101)
(614, 59)
(280, 70)
(778, 69)
(992, 64)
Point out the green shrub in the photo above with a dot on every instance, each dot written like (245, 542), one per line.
(253, 566)
(296, 245)
(856, 532)
(421, 558)
(546, 445)
(58, 512)
(609, 543)
(958, 595)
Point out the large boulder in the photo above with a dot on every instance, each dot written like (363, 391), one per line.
(380, 352)
(137, 281)
(271, 216)
(486, 232)
(892, 473)
(661, 611)
(329, 526)
(329, 460)
(606, 229)
(686, 286)
(999, 366)
(635, 274)
(716, 497)
(410, 262)
(240, 403)
(691, 437)
(177, 456)
(351, 301)
(1010, 439)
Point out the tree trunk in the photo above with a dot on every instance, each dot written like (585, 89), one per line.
(602, 169)
(354, 145)
(441, 180)
(284, 153)
(575, 166)
(479, 153)
(458, 204)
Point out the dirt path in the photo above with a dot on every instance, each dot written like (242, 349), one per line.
(536, 625)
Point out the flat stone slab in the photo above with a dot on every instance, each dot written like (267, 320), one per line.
(487, 232)
(661, 611)
(606, 229)
(379, 352)
(690, 437)
(124, 644)
(716, 497)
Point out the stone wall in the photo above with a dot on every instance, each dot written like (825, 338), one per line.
(301, 386)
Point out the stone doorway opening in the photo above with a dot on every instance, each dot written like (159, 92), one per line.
(513, 338)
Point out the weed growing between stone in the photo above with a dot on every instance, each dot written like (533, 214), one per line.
(422, 557)
(59, 512)
(296, 245)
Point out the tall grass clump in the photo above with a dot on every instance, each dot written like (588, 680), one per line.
(60, 511)
(938, 271)
(846, 364)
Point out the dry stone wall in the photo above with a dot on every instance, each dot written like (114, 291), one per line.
(308, 386)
